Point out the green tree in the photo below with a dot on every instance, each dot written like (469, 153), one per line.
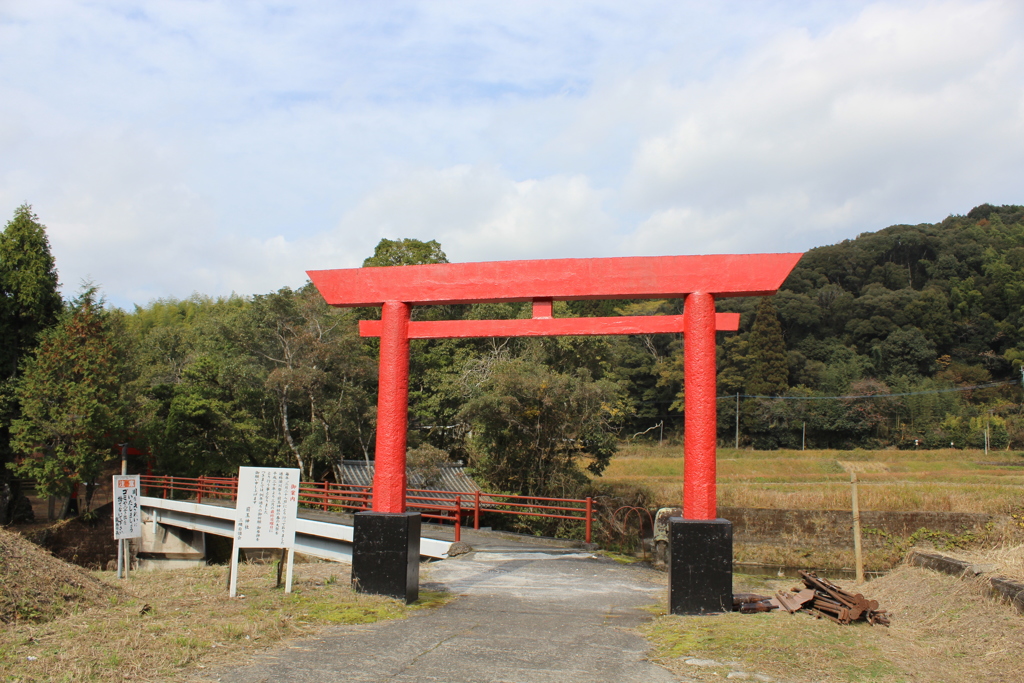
(319, 373)
(201, 404)
(210, 425)
(405, 252)
(29, 303)
(72, 400)
(29, 300)
(533, 426)
(768, 365)
(435, 365)
(906, 352)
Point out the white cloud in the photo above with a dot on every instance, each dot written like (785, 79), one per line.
(872, 121)
(219, 146)
(478, 213)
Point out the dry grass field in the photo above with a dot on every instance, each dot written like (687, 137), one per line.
(939, 480)
(161, 626)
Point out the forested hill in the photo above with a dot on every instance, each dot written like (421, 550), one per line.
(957, 286)
(909, 308)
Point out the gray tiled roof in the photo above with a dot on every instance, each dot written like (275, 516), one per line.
(452, 481)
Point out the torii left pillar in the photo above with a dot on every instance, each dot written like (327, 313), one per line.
(386, 540)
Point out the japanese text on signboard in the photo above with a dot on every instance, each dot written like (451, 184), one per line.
(127, 517)
(268, 499)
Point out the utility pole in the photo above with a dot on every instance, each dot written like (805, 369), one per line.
(738, 415)
(986, 431)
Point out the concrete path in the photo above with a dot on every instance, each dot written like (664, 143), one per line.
(524, 614)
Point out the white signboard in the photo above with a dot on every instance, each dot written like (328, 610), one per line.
(268, 500)
(127, 518)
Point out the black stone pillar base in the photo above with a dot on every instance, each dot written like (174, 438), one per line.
(700, 566)
(386, 554)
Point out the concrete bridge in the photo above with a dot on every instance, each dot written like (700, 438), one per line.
(174, 533)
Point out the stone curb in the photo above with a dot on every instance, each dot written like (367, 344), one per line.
(1005, 589)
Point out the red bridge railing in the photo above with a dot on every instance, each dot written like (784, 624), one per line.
(442, 506)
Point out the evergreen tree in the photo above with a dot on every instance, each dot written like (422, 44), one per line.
(29, 303)
(767, 361)
(71, 398)
(435, 364)
(28, 287)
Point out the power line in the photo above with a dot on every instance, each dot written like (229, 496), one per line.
(857, 396)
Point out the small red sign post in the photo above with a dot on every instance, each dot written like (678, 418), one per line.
(698, 279)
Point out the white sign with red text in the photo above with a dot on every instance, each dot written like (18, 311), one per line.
(127, 516)
(268, 500)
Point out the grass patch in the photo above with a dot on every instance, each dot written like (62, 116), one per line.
(618, 557)
(311, 609)
(431, 599)
(161, 623)
(808, 556)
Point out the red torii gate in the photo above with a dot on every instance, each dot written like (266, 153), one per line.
(700, 279)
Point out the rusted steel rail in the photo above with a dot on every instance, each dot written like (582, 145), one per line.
(441, 506)
(819, 597)
(826, 600)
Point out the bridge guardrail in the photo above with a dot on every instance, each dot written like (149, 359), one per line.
(442, 506)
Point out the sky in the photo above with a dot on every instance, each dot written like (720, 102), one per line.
(227, 147)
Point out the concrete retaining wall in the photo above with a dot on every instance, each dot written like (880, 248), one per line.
(834, 528)
(1004, 589)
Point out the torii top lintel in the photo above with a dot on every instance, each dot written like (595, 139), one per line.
(630, 277)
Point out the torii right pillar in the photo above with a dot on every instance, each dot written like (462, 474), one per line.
(700, 544)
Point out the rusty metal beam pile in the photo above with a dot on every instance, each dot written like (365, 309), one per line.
(823, 598)
(819, 597)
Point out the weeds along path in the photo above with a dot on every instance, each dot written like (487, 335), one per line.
(521, 614)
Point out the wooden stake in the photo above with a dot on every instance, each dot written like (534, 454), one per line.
(858, 557)
(289, 573)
